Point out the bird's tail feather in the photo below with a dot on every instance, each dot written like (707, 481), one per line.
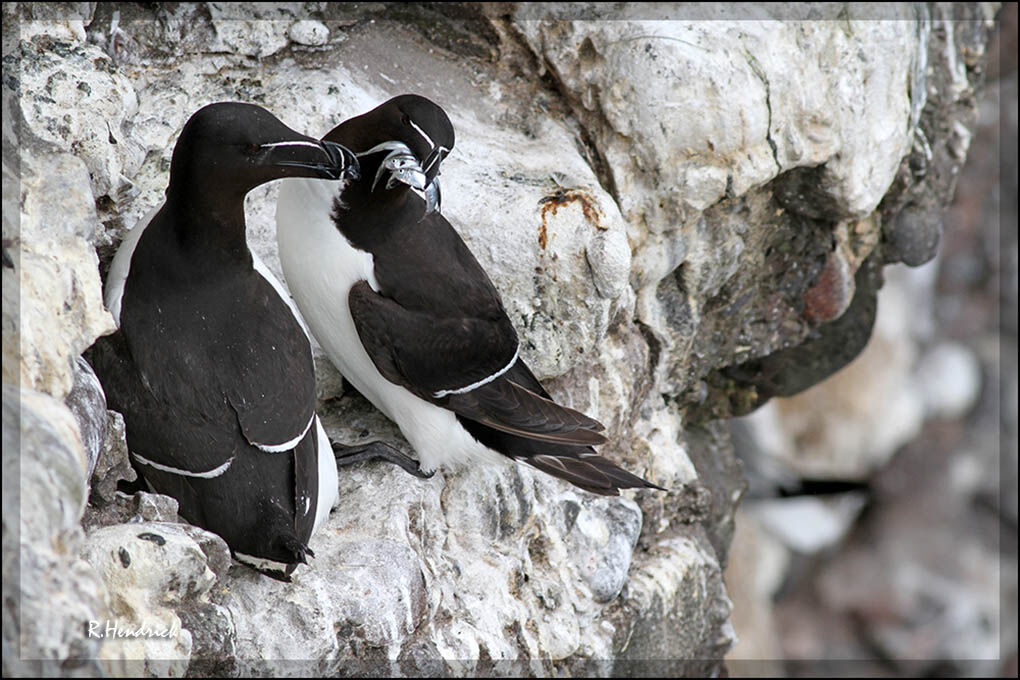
(590, 472)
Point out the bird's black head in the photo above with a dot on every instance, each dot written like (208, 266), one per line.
(400, 142)
(230, 148)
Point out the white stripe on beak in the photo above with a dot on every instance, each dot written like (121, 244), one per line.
(436, 155)
(295, 143)
(299, 143)
(422, 133)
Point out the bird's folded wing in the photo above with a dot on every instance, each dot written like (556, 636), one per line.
(173, 435)
(273, 425)
(266, 372)
(590, 472)
(426, 353)
(506, 406)
(464, 364)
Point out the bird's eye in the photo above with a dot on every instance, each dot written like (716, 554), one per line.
(405, 119)
(251, 149)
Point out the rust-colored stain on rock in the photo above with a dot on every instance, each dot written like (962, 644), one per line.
(562, 197)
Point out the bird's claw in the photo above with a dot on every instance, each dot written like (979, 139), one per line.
(348, 455)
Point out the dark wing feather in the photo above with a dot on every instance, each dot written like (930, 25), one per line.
(579, 465)
(425, 352)
(420, 352)
(306, 483)
(589, 471)
(508, 407)
(266, 370)
(216, 337)
(257, 504)
(181, 435)
(245, 351)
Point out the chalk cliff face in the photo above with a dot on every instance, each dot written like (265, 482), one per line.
(684, 218)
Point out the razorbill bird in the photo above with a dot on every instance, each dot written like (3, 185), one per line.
(410, 318)
(210, 365)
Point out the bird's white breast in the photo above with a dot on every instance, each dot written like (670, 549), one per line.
(329, 484)
(116, 278)
(321, 266)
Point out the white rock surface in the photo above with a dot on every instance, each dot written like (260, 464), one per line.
(552, 240)
(809, 524)
(87, 402)
(95, 127)
(256, 31)
(61, 307)
(44, 494)
(719, 109)
(311, 33)
(757, 567)
(140, 568)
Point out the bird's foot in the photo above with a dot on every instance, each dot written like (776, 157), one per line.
(299, 551)
(348, 455)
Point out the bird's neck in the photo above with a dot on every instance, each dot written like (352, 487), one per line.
(369, 219)
(202, 219)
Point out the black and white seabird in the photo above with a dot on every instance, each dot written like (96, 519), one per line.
(210, 365)
(404, 310)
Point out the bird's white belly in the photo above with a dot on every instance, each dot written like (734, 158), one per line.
(329, 487)
(121, 265)
(321, 267)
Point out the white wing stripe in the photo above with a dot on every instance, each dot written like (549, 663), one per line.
(215, 472)
(286, 446)
(483, 381)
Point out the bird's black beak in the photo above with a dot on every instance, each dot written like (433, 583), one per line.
(433, 195)
(307, 157)
(431, 165)
(347, 160)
